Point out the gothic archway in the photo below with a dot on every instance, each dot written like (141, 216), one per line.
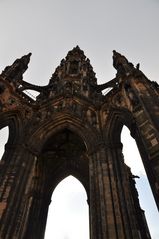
(68, 214)
(62, 154)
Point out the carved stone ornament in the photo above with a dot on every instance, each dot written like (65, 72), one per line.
(73, 127)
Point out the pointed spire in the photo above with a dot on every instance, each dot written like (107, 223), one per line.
(76, 52)
(16, 70)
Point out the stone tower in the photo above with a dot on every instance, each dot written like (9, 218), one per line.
(72, 128)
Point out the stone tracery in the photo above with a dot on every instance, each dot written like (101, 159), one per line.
(72, 126)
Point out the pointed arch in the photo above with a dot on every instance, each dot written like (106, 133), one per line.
(117, 118)
(14, 121)
(68, 210)
(90, 136)
(64, 153)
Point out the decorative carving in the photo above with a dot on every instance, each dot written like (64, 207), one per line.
(131, 94)
(121, 64)
(73, 68)
(16, 70)
(2, 87)
(74, 74)
(71, 128)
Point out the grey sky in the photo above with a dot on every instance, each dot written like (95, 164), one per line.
(50, 28)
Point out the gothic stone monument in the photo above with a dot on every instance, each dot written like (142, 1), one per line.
(72, 128)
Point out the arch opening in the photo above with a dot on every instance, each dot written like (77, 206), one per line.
(64, 154)
(4, 136)
(133, 160)
(68, 213)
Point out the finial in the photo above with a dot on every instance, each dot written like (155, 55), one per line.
(76, 52)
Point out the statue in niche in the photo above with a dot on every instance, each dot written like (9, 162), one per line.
(73, 67)
(131, 95)
(68, 87)
(85, 83)
(74, 107)
(2, 88)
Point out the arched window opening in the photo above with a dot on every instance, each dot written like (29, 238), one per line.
(68, 212)
(133, 160)
(4, 135)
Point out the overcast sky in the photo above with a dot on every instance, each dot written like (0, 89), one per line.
(50, 28)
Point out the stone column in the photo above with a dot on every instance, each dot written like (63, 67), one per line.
(112, 212)
(145, 108)
(14, 188)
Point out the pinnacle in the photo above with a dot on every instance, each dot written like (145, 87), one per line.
(16, 70)
(29, 54)
(76, 52)
(77, 47)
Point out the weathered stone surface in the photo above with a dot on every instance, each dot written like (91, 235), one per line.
(72, 128)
